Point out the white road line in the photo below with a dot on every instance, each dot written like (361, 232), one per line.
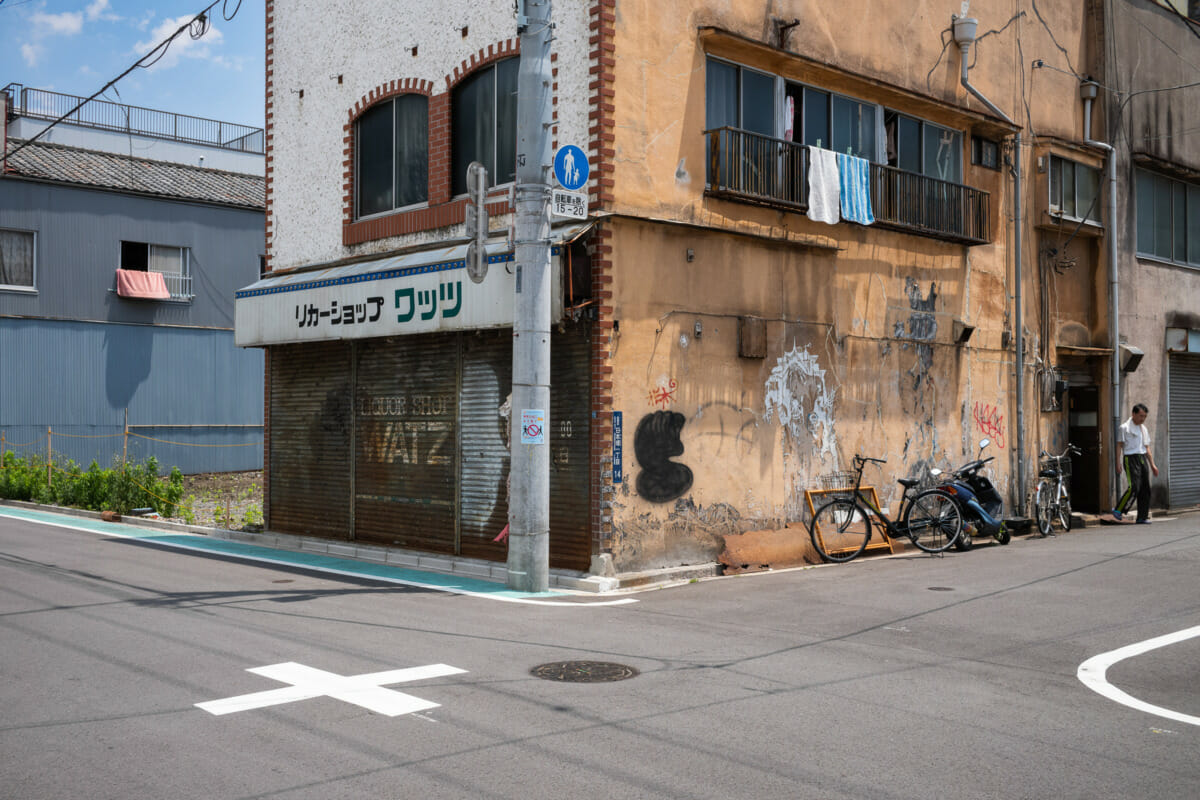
(1092, 673)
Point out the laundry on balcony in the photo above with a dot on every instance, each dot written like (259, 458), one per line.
(824, 186)
(145, 285)
(855, 189)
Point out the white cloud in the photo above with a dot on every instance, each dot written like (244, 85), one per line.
(98, 9)
(31, 53)
(67, 23)
(184, 46)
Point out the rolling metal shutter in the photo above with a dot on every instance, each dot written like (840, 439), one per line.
(1183, 397)
(310, 439)
(486, 382)
(406, 435)
(569, 438)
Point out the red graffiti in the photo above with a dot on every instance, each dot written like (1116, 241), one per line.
(990, 422)
(662, 396)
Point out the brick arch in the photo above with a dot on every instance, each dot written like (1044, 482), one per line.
(442, 210)
(489, 55)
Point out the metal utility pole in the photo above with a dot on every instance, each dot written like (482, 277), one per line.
(529, 497)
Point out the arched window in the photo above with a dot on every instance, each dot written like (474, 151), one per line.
(484, 124)
(393, 154)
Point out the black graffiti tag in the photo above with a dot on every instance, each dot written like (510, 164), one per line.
(655, 442)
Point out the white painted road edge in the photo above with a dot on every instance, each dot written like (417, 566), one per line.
(1092, 673)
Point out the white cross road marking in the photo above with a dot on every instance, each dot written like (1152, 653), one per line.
(361, 690)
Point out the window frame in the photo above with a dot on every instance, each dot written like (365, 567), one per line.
(33, 256)
(1059, 210)
(394, 157)
(1175, 188)
(458, 163)
(183, 293)
(925, 128)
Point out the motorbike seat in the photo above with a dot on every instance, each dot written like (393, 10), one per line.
(908, 483)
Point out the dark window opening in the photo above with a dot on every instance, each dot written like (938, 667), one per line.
(484, 125)
(393, 155)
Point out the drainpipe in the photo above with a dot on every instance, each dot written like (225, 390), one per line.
(1088, 90)
(964, 34)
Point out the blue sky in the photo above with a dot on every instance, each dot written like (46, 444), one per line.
(77, 46)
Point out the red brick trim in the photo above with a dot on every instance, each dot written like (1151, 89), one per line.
(442, 210)
(602, 488)
(601, 110)
(269, 135)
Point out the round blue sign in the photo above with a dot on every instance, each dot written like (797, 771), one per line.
(571, 167)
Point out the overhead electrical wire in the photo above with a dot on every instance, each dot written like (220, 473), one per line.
(196, 27)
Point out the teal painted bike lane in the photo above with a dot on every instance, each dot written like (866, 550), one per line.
(316, 562)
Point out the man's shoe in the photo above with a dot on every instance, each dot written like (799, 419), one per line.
(1116, 514)
(1143, 522)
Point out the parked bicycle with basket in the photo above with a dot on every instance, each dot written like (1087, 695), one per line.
(841, 528)
(1052, 498)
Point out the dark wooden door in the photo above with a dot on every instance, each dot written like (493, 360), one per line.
(1083, 431)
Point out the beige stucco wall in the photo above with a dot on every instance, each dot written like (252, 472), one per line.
(843, 372)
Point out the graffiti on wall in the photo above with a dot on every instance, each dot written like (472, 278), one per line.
(797, 396)
(655, 443)
(990, 422)
(663, 394)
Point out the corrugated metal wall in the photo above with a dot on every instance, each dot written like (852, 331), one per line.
(430, 462)
(310, 439)
(78, 378)
(79, 234)
(1183, 393)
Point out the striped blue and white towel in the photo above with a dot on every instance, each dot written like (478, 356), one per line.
(856, 189)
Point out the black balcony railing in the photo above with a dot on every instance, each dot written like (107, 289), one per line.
(105, 115)
(761, 169)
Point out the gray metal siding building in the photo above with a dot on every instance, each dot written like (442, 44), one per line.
(75, 355)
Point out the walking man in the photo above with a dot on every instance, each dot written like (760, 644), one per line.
(1133, 455)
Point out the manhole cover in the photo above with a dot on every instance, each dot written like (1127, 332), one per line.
(583, 671)
(940, 589)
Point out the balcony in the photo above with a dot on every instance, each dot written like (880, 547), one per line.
(752, 168)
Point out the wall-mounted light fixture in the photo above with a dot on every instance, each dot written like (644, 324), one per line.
(962, 331)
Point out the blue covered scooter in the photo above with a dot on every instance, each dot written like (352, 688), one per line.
(981, 505)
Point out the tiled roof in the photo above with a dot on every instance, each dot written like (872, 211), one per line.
(62, 164)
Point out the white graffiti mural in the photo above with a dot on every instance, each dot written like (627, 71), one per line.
(796, 395)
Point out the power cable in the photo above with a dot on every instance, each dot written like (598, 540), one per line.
(197, 26)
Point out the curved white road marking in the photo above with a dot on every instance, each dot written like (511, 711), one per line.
(1092, 672)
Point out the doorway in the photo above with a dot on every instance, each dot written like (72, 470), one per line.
(1083, 431)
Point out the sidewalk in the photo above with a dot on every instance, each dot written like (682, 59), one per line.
(444, 572)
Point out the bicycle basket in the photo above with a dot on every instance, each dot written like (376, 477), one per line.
(837, 480)
(1060, 465)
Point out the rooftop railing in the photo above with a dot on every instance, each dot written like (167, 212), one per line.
(753, 168)
(109, 116)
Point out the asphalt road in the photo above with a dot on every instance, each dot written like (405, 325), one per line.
(910, 677)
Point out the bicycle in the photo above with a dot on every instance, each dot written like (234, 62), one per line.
(841, 528)
(1052, 498)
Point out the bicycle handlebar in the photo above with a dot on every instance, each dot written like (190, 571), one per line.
(861, 460)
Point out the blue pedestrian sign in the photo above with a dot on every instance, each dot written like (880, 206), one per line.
(571, 167)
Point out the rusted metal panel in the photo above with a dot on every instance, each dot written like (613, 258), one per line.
(570, 427)
(310, 440)
(486, 382)
(406, 434)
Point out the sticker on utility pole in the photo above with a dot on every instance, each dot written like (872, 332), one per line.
(571, 167)
(533, 426)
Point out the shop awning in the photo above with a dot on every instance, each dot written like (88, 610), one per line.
(417, 292)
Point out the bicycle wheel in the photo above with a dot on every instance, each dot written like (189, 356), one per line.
(1043, 506)
(933, 521)
(840, 529)
(1064, 508)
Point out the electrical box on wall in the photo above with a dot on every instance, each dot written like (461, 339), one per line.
(752, 337)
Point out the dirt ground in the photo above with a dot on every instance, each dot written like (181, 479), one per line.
(231, 500)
